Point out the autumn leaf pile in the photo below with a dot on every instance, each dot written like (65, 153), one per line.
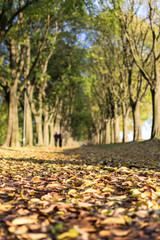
(85, 193)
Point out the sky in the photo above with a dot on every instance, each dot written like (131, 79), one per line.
(145, 130)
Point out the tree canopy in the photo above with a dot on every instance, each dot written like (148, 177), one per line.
(84, 68)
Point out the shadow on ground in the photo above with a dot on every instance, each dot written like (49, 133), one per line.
(144, 154)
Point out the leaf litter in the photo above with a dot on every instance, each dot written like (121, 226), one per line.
(86, 193)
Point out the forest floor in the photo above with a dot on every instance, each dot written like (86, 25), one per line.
(85, 193)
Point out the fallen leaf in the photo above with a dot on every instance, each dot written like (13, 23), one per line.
(84, 205)
(104, 233)
(34, 236)
(18, 230)
(72, 191)
(120, 232)
(117, 198)
(91, 190)
(49, 209)
(35, 179)
(24, 220)
(114, 220)
(5, 207)
(72, 233)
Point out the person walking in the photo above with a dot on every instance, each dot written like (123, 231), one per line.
(60, 139)
(55, 139)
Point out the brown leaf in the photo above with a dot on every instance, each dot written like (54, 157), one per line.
(9, 189)
(5, 207)
(49, 209)
(117, 198)
(35, 179)
(34, 236)
(24, 220)
(72, 191)
(53, 185)
(23, 211)
(84, 205)
(114, 220)
(120, 232)
(18, 230)
(91, 190)
(104, 233)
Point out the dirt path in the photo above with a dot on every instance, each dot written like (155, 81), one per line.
(81, 193)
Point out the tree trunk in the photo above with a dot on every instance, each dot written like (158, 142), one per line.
(107, 134)
(93, 139)
(57, 126)
(29, 125)
(46, 128)
(12, 132)
(155, 113)
(116, 129)
(125, 128)
(125, 125)
(103, 136)
(65, 138)
(51, 128)
(98, 136)
(116, 124)
(38, 120)
(136, 121)
(112, 131)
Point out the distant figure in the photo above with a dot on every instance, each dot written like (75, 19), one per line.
(55, 139)
(60, 139)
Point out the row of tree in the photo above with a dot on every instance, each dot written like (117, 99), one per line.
(40, 67)
(124, 66)
(52, 81)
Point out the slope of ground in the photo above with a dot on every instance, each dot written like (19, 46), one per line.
(86, 193)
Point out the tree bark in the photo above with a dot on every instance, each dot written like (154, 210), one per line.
(38, 120)
(136, 121)
(46, 128)
(112, 130)
(125, 129)
(98, 136)
(29, 125)
(108, 134)
(156, 113)
(95, 139)
(51, 128)
(116, 124)
(125, 125)
(12, 132)
(116, 129)
(57, 125)
(103, 136)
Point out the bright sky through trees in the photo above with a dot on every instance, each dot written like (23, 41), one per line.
(83, 66)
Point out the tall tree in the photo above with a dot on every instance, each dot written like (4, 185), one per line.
(146, 55)
(18, 55)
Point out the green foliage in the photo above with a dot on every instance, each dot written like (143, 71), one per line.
(82, 122)
(85, 82)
